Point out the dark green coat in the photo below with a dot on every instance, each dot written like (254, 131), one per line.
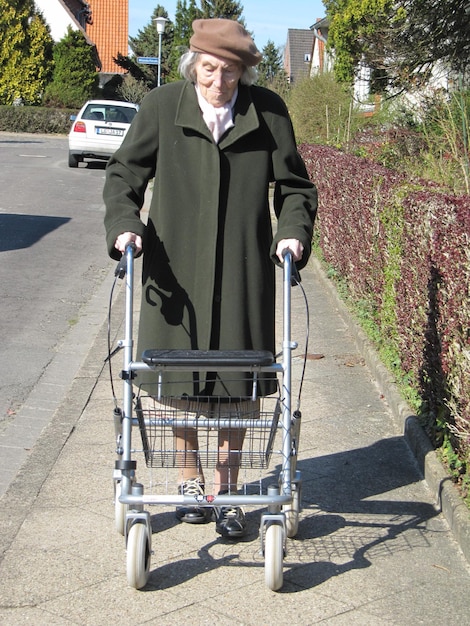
(208, 277)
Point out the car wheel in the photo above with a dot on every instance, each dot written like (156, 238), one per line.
(73, 160)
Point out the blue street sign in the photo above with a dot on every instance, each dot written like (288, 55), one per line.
(148, 60)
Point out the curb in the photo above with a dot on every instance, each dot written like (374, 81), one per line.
(443, 490)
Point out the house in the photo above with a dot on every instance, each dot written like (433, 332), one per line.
(110, 32)
(60, 14)
(298, 53)
(441, 79)
(323, 61)
(105, 24)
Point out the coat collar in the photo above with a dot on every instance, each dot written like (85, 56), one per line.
(188, 115)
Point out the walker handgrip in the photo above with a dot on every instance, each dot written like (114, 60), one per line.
(285, 252)
(121, 268)
(295, 276)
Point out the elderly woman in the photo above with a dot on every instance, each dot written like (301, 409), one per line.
(213, 142)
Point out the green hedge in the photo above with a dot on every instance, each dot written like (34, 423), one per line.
(26, 119)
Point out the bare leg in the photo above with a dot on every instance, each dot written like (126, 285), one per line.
(186, 444)
(191, 477)
(230, 520)
(228, 460)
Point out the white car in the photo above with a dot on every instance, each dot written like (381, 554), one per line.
(98, 129)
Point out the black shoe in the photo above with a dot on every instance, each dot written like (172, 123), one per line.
(230, 521)
(193, 514)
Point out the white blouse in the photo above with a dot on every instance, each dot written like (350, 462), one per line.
(218, 119)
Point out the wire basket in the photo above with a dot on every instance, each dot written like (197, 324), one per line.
(208, 432)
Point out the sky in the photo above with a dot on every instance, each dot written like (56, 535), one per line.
(266, 19)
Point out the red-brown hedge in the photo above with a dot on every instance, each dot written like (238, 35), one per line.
(403, 246)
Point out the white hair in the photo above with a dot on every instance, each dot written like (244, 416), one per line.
(188, 62)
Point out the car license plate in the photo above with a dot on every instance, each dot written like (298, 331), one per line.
(116, 132)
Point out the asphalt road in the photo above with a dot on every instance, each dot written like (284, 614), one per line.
(52, 256)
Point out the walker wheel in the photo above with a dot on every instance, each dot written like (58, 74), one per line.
(273, 556)
(138, 555)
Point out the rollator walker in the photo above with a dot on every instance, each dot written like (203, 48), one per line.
(271, 435)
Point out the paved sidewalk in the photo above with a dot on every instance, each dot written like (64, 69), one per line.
(372, 547)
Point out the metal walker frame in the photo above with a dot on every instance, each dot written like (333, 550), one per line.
(282, 501)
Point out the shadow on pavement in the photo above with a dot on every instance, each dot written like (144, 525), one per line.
(22, 231)
(347, 520)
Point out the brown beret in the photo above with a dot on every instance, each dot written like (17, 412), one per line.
(224, 38)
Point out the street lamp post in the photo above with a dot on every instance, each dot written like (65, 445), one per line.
(160, 23)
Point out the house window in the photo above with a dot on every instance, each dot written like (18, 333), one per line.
(307, 58)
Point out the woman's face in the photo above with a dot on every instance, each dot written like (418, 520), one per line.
(217, 78)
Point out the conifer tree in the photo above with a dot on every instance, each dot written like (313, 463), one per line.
(25, 54)
(184, 16)
(146, 44)
(221, 8)
(271, 68)
(37, 69)
(75, 78)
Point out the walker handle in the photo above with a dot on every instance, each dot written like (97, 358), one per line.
(295, 276)
(121, 268)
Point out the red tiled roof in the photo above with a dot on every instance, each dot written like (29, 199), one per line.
(109, 31)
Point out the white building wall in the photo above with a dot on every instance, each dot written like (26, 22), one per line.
(57, 17)
(316, 61)
(362, 83)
